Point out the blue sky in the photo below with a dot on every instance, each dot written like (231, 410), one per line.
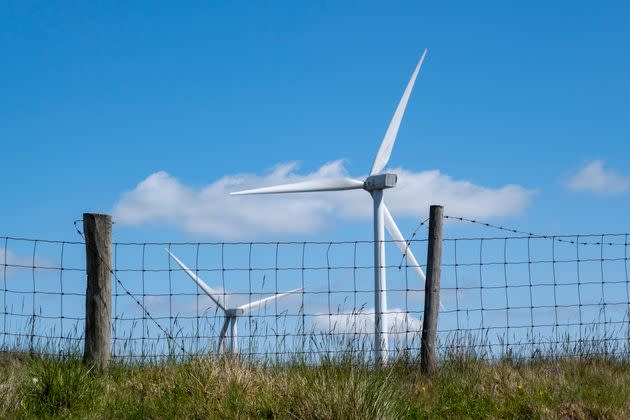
(95, 98)
(153, 112)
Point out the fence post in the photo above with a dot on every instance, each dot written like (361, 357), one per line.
(97, 229)
(432, 291)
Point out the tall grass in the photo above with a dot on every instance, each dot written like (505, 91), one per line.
(562, 378)
(227, 387)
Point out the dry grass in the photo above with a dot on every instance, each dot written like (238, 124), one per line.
(587, 387)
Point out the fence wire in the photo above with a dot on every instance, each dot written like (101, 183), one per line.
(521, 294)
(43, 295)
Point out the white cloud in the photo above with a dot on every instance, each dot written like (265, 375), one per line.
(10, 258)
(18, 261)
(594, 177)
(362, 323)
(13, 259)
(211, 211)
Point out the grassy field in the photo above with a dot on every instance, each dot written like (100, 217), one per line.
(226, 388)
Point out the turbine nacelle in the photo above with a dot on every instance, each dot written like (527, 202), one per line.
(380, 182)
(231, 312)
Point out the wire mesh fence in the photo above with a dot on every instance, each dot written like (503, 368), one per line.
(532, 294)
(43, 295)
(331, 314)
(518, 294)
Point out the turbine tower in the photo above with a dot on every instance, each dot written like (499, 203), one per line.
(231, 314)
(375, 183)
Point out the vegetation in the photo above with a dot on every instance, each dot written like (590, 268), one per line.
(581, 387)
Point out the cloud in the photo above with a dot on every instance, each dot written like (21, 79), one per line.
(362, 323)
(14, 260)
(11, 258)
(18, 261)
(211, 211)
(594, 177)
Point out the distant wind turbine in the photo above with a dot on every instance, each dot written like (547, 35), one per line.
(230, 313)
(374, 184)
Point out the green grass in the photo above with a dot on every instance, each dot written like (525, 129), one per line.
(587, 387)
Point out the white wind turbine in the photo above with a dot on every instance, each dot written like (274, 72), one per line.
(374, 184)
(230, 313)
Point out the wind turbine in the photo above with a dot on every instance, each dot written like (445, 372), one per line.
(230, 313)
(375, 183)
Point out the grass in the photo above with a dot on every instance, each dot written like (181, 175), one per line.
(465, 387)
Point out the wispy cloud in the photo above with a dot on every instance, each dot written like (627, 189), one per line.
(14, 260)
(362, 323)
(594, 177)
(211, 211)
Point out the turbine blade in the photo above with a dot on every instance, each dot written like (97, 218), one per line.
(199, 282)
(384, 152)
(402, 244)
(257, 303)
(334, 184)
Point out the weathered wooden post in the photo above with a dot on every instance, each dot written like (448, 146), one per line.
(97, 229)
(432, 291)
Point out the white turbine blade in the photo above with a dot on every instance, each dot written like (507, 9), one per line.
(257, 303)
(334, 184)
(402, 244)
(384, 152)
(199, 282)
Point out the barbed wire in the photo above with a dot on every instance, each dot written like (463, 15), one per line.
(131, 295)
(411, 239)
(559, 238)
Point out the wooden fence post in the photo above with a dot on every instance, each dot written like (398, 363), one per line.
(432, 291)
(97, 229)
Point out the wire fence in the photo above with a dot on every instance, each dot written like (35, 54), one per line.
(43, 295)
(515, 294)
(537, 294)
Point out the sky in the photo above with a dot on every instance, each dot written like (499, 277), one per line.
(154, 111)
(99, 100)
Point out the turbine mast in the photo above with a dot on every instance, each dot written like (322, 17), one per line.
(381, 342)
(233, 337)
(375, 185)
